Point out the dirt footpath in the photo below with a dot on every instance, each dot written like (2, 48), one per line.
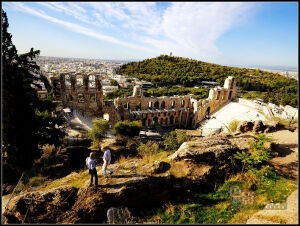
(286, 164)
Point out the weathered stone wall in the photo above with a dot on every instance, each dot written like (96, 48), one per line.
(84, 92)
(218, 97)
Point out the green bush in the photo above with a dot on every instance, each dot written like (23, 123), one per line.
(257, 154)
(233, 125)
(174, 139)
(127, 128)
(150, 147)
(98, 131)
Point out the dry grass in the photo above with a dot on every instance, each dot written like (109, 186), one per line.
(285, 122)
(179, 169)
(273, 218)
(74, 179)
(233, 125)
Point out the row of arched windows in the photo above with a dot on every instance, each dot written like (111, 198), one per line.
(152, 105)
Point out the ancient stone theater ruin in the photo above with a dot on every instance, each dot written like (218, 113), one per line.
(84, 93)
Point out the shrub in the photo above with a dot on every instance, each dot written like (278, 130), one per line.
(257, 154)
(98, 132)
(233, 125)
(149, 148)
(127, 128)
(174, 139)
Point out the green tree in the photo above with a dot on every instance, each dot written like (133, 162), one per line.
(98, 131)
(114, 83)
(127, 128)
(24, 130)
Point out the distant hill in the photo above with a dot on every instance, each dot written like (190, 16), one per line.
(165, 70)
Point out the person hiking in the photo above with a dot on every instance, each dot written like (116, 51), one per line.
(92, 168)
(106, 160)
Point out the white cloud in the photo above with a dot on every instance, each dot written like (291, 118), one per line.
(77, 28)
(72, 9)
(196, 26)
(188, 29)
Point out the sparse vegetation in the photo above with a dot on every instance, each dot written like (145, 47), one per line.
(127, 128)
(174, 139)
(35, 181)
(220, 206)
(233, 125)
(98, 131)
(284, 122)
(257, 154)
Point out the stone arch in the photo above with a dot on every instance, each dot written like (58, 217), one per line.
(176, 120)
(173, 104)
(161, 121)
(171, 120)
(69, 97)
(68, 84)
(79, 81)
(144, 121)
(93, 97)
(155, 120)
(156, 105)
(80, 98)
(92, 81)
(163, 105)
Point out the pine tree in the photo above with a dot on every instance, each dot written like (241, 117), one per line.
(24, 129)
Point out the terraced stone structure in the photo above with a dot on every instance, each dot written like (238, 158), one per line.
(84, 93)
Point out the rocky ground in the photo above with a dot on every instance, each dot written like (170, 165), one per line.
(197, 165)
(134, 184)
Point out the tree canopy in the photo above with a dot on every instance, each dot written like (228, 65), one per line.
(98, 131)
(170, 71)
(127, 128)
(28, 122)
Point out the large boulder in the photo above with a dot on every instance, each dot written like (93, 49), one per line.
(118, 215)
(245, 126)
(258, 127)
(208, 150)
(40, 206)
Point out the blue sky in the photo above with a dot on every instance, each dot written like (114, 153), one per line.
(228, 33)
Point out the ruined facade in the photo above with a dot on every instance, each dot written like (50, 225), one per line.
(84, 93)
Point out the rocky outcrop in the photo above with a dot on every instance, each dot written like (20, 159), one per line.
(197, 166)
(157, 167)
(40, 207)
(210, 150)
(258, 127)
(245, 126)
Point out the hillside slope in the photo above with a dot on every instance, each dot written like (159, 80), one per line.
(167, 71)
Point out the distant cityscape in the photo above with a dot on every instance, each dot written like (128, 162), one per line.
(55, 65)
